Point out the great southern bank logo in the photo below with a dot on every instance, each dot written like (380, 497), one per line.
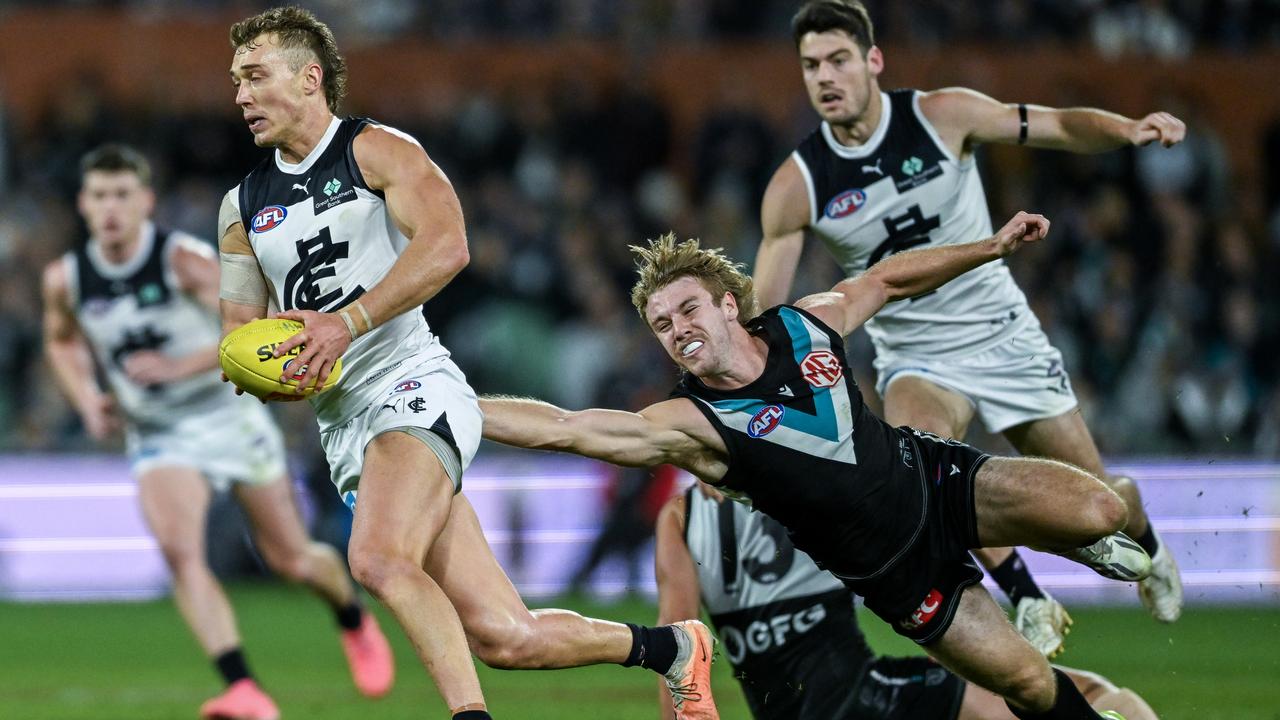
(845, 204)
(765, 421)
(269, 217)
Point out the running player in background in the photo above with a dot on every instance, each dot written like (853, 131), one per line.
(141, 302)
(767, 410)
(889, 171)
(791, 632)
(348, 227)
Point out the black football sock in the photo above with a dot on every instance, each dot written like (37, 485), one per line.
(349, 615)
(232, 666)
(1015, 580)
(1148, 540)
(473, 715)
(1070, 705)
(652, 647)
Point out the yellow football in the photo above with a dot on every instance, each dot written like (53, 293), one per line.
(246, 356)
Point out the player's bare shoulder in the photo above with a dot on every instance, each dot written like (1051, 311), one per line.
(55, 285)
(785, 208)
(384, 153)
(956, 112)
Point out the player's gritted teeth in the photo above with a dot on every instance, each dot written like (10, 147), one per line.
(690, 348)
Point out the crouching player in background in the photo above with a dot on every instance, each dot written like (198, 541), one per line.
(791, 633)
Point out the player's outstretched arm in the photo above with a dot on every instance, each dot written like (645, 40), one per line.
(677, 577)
(69, 354)
(784, 214)
(644, 439)
(964, 117)
(908, 274)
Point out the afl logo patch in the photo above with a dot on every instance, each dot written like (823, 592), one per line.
(765, 421)
(821, 368)
(269, 217)
(406, 386)
(845, 204)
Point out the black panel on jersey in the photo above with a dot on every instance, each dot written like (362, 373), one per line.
(147, 283)
(800, 657)
(907, 155)
(329, 181)
(852, 519)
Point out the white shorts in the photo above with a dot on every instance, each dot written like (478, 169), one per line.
(1017, 381)
(235, 441)
(430, 401)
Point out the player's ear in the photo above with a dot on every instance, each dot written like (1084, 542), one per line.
(730, 305)
(149, 200)
(875, 61)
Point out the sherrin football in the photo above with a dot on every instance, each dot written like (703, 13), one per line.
(246, 356)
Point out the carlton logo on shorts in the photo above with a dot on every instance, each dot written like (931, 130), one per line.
(821, 368)
(765, 421)
(923, 614)
(845, 204)
(268, 218)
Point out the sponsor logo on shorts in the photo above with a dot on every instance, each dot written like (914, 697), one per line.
(821, 368)
(923, 614)
(269, 217)
(845, 204)
(406, 386)
(765, 421)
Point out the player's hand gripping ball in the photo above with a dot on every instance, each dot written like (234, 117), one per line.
(247, 358)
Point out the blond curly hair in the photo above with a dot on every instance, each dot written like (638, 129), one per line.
(665, 260)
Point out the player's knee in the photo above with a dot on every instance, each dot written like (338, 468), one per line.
(504, 643)
(1107, 513)
(382, 573)
(182, 557)
(292, 566)
(1031, 686)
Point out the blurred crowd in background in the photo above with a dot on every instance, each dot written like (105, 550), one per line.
(1153, 282)
(1163, 28)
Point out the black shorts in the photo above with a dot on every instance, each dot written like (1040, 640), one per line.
(918, 594)
(909, 688)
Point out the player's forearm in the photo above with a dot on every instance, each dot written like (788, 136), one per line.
(525, 422)
(774, 270)
(915, 272)
(1086, 130)
(421, 271)
(72, 371)
(202, 360)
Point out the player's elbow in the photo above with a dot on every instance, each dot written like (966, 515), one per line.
(455, 258)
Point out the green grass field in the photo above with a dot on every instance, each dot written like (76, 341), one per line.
(137, 662)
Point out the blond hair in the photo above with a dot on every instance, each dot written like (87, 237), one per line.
(302, 36)
(664, 261)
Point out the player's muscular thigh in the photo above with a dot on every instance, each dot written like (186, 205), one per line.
(916, 402)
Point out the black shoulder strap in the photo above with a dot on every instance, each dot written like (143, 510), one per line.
(728, 546)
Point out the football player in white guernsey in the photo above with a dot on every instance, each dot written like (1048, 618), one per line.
(789, 604)
(142, 303)
(349, 227)
(812, 456)
(889, 171)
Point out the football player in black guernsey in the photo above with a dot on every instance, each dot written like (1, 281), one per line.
(767, 412)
